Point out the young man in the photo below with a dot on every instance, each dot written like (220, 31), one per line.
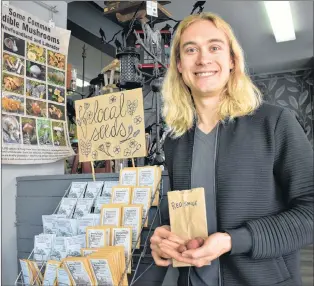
(253, 159)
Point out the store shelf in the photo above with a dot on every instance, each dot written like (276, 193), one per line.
(40, 195)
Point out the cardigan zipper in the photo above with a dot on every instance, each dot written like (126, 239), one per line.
(215, 164)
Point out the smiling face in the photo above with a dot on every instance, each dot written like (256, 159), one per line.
(205, 61)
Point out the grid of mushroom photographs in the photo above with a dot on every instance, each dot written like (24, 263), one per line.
(33, 93)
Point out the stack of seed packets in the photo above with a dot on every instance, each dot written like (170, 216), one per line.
(67, 240)
(92, 194)
(105, 196)
(68, 204)
(77, 190)
(128, 176)
(66, 227)
(88, 251)
(31, 274)
(67, 246)
(97, 236)
(27, 275)
(126, 215)
(67, 207)
(108, 265)
(133, 195)
(63, 277)
(132, 217)
(43, 244)
(79, 271)
(111, 214)
(102, 267)
(142, 196)
(121, 194)
(87, 220)
(59, 250)
(94, 189)
(83, 207)
(50, 223)
(50, 276)
(122, 236)
(144, 183)
(99, 202)
(148, 176)
(74, 244)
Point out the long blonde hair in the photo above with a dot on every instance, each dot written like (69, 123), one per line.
(240, 96)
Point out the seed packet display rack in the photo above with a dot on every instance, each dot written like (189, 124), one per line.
(41, 264)
(141, 254)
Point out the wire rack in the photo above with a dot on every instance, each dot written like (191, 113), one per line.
(143, 254)
(134, 277)
(20, 280)
(41, 263)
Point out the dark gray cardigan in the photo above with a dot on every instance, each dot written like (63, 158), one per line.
(264, 195)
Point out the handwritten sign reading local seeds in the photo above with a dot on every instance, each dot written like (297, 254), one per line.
(111, 126)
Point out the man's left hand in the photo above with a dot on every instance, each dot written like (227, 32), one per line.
(214, 246)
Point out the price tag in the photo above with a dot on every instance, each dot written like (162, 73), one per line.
(51, 23)
(152, 8)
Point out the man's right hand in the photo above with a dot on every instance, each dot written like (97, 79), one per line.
(164, 235)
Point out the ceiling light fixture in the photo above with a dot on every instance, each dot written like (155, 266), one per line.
(280, 17)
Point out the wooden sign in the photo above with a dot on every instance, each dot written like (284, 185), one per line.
(111, 126)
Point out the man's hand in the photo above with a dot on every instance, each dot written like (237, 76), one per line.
(171, 241)
(214, 246)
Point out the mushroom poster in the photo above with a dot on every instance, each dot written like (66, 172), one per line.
(33, 89)
(111, 126)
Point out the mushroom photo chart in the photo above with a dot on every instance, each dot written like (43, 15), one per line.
(33, 91)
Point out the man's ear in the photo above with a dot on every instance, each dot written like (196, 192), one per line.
(179, 67)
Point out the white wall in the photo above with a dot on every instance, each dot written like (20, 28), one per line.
(10, 172)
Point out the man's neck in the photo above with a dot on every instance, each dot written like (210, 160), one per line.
(206, 108)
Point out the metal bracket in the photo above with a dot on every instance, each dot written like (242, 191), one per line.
(48, 7)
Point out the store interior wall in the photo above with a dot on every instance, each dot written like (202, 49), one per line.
(293, 90)
(91, 19)
(95, 60)
(10, 172)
